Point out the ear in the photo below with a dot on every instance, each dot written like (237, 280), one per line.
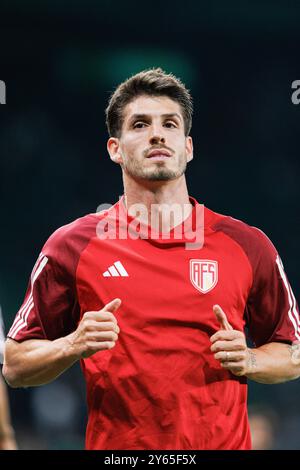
(113, 148)
(189, 148)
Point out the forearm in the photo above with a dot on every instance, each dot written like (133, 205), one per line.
(37, 362)
(7, 437)
(273, 363)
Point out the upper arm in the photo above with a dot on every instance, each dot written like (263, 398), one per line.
(272, 313)
(50, 309)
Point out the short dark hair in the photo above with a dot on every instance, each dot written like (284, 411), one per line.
(152, 82)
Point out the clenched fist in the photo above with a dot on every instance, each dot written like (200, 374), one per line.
(97, 331)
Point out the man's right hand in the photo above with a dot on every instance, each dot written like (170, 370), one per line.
(96, 331)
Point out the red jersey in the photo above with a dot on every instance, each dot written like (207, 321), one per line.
(160, 387)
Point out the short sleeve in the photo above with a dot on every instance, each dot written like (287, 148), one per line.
(272, 313)
(50, 309)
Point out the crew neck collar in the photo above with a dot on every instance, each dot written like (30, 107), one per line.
(185, 232)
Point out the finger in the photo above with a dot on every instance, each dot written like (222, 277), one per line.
(222, 318)
(226, 335)
(95, 346)
(235, 345)
(101, 336)
(93, 325)
(112, 306)
(100, 316)
(229, 356)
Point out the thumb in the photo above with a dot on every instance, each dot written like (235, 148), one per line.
(112, 306)
(221, 317)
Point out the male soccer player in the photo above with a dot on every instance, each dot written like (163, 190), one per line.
(154, 302)
(7, 436)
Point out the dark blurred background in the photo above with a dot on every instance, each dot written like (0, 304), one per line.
(60, 61)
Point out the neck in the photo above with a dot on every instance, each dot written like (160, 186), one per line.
(161, 204)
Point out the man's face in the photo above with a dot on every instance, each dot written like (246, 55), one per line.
(152, 145)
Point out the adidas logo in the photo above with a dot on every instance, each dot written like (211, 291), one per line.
(116, 270)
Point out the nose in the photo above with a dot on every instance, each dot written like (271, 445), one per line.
(157, 139)
(156, 136)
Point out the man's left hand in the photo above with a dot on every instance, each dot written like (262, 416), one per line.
(230, 346)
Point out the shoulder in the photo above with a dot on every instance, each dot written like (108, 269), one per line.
(63, 248)
(252, 239)
(76, 233)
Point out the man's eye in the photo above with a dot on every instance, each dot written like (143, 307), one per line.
(139, 125)
(170, 124)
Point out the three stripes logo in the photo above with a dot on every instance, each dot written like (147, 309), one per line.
(116, 270)
(293, 312)
(21, 319)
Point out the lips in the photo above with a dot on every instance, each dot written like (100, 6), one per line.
(159, 153)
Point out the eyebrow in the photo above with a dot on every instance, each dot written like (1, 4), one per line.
(146, 116)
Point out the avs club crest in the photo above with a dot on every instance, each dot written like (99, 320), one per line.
(203, 274)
